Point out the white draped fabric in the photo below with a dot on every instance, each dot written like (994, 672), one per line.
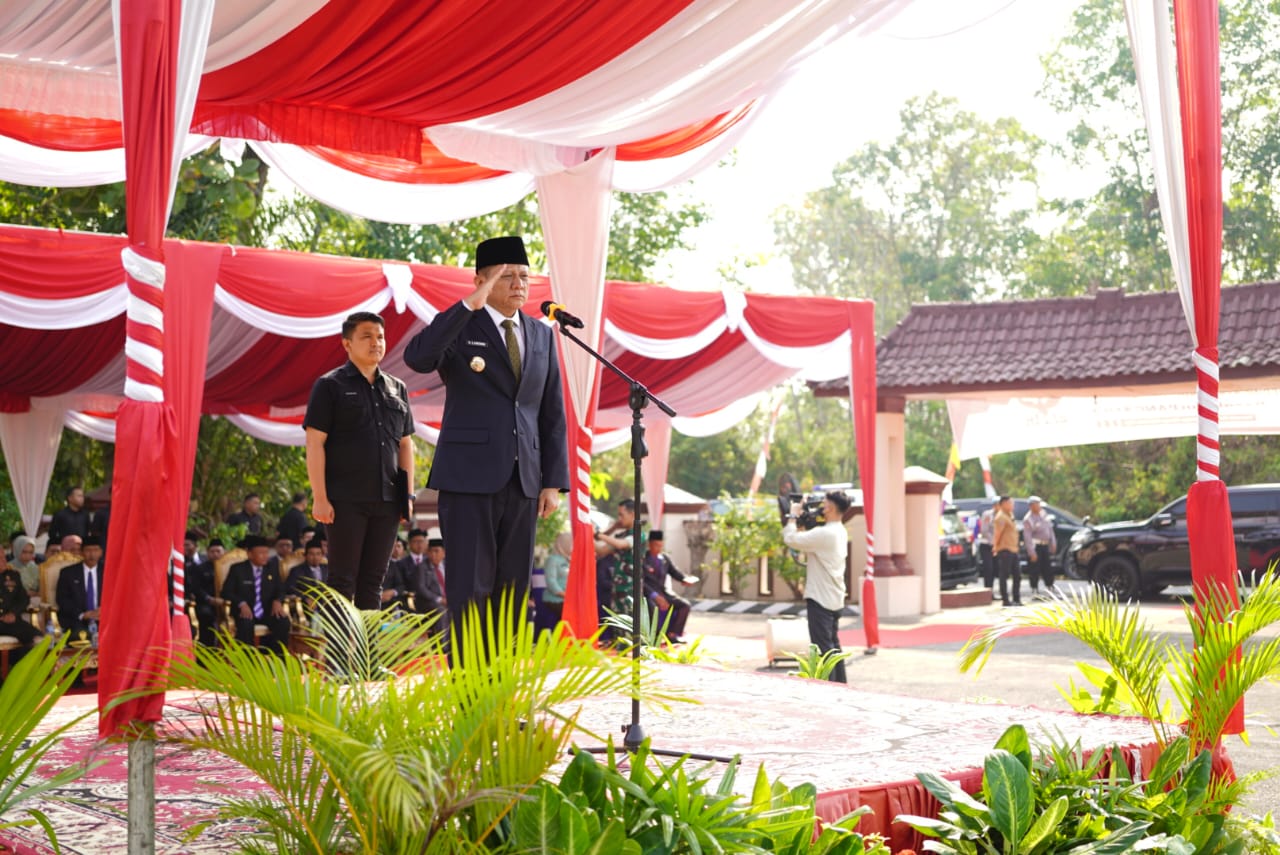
(712, 57)
(22, 163)
(389, 201)
(1155, 64)
(653, 469)
(30, 442)
(984, 428)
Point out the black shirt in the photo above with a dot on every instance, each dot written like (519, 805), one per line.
(66, 521)
(291, 525)
(252, 523)
(364, 423)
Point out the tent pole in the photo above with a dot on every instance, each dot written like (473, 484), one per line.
(142, 794)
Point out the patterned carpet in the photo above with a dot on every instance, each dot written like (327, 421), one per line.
(843, 740)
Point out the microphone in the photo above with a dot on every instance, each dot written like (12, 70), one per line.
(556, 312)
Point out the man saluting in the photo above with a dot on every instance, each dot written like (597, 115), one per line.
(502, 457)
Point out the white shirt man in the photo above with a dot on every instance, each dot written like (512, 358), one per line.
(826, 551)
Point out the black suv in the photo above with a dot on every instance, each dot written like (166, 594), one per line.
(955, 543)
(1065, 525)
(1144, 557)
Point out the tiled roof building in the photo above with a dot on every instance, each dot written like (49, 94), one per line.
(1107, 339)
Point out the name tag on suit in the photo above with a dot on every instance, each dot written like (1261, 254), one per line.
(471, 343)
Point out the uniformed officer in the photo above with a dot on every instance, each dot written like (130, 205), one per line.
(359, 434)
(502, 458)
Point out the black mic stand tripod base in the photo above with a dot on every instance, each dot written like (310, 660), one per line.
(639, 398)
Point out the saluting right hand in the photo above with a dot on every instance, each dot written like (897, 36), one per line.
(477, 298)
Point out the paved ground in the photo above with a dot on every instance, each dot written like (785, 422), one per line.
(1023, 670)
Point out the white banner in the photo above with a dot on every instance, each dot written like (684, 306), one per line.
(984, 428)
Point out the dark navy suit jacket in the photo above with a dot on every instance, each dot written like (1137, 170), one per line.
(490, 423)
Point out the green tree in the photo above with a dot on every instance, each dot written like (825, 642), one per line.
(1114, 237)
(934, 215)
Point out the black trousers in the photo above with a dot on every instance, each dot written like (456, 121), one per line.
(488, 538)
(1007, 565)
(19, 629)
(824, 631)
(1041, 569)
(361, 537)
(987, 560)
(679, 611)
(277, 639)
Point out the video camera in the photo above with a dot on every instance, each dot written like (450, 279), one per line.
(810, 515)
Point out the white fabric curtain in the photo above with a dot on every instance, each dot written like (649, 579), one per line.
(21, 163)
(653, 469)
(574, 209)
(294, 326)
(30, 443)
(1155, 63)
(94, 427)
(69, 313)
(713, 56)
(413, 204)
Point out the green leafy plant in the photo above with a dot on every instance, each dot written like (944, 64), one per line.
(815, 664)
(1072, 801)
(672, 809)
(35, 684)
(429, 762)
(744, 533)
(652, 638)
(1228, 656)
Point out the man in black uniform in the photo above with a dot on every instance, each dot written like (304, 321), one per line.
(256, 594)
(359, 434)
(202, 591)
(502, 458)
(249, 514)
(294, 520)
(72, 519)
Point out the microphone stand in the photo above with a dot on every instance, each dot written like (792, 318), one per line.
(638, 398)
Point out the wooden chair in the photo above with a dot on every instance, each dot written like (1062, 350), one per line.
(50, 570)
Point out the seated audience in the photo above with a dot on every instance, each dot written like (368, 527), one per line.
(256, 594)
(24, 561)
(308, 532)
(191, 550)
(201, 584)
(310, 575)
(556, 571)
(79, 593)
(421, 572)
(13, 606)
(284, 549)
(72, 544)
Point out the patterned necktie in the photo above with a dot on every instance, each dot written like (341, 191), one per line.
(513, 347)
(257, 592)
(90, 594)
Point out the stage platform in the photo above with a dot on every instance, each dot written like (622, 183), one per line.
(857, 747)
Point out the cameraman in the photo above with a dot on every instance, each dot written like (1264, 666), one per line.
(826, 550)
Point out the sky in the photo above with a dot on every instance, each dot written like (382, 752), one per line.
(985, 53)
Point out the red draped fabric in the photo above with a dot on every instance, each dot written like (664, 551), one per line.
(280, 370)
(431, 167)
(660, 374)
(61, 133)
(636, 309)
(1212, 541)
(300, 284)
(45, 264)
(135, 629)
(684, 139)
(43, 363)
(347, 55)
(193, 269)
(862, 397)
(781, 319)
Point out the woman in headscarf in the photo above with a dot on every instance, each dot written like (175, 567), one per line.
(556, 570)
(13, 607)
(24, 561)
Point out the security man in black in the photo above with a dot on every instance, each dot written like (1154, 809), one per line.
(359, 433)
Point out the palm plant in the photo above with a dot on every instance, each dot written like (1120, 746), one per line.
(34, 685)
(430, 761)
(816, 664)
(1226, 659)
(652, 638)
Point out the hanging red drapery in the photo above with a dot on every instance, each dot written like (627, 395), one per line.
(135, 627)
(1212, 541)
(862, 400)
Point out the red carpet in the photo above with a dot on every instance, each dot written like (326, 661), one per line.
(922, 636)
(856, 747)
